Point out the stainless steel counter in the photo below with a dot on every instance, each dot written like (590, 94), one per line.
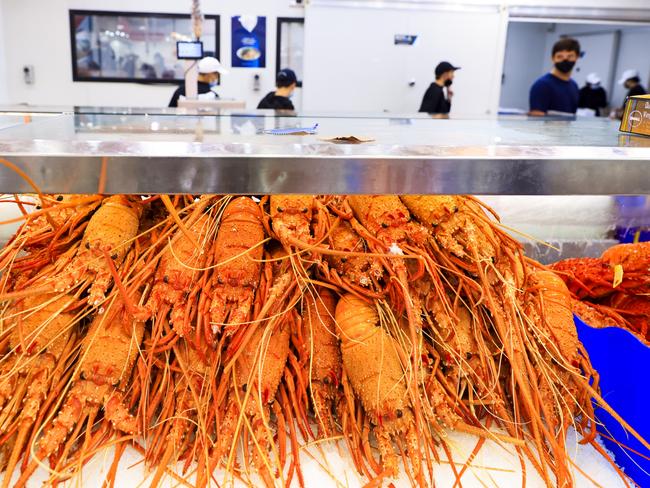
(169, 153)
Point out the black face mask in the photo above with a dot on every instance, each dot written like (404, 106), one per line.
(565, 66)
(448, 82)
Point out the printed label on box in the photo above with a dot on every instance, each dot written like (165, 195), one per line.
(636, 117)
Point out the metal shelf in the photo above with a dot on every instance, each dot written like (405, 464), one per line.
(114, 152)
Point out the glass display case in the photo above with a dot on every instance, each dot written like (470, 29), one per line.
(564, 187)
(554, 179)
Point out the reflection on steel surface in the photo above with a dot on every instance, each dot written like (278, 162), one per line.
(500, 156)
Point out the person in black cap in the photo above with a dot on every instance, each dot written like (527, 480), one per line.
(285, 83)
(435, 101)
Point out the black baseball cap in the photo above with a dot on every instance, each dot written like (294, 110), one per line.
(285, 77)
(444, 67)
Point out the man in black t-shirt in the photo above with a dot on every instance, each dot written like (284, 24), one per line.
(435, 100)
(592, 95)
(556, 91)
(285, 83)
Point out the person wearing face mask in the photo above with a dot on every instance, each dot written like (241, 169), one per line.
(592, 95)
(556, 91)
(631, 80)
(435, 100)
(210, 71)
(279, 99)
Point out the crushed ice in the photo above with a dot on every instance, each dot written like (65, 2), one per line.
(395, 249)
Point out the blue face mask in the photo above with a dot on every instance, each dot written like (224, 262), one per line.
(214, 83)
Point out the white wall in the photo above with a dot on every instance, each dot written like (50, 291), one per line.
(350, 54)
(630, 4)
(38, 33)
(4, 93)
(524, 62)
(616, 4)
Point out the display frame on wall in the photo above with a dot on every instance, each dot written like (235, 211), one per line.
(278, 41)
(251, 38)
(77, 76)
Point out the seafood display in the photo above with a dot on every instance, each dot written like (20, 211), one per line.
(226, 333)
(613, 290)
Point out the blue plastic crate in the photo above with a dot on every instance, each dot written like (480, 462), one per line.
(623, 363)
(632, 217)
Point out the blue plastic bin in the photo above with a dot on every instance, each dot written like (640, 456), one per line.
(632, 218)
(623, 363)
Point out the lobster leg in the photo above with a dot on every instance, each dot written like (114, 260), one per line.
(100, 283)
(260, 459)
(226, 435)
(174, 445)
(389, 459)
(295, 446)
(177, 319)
(323, 409)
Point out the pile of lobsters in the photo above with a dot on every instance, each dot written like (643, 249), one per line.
(230, 331)
(612, 290)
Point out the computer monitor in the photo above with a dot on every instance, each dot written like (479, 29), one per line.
(189, 49)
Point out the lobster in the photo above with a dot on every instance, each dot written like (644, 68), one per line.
(40, 338)
(349, 268)
(612, 287)
(488, 267)
(184, 411)
(372, 364)
(443, 325)
(623, 267)
(48, 232)
(238, 254)
(108, 353)
(111, 230)
(255, 379)
(180, 267)
(105, 242)
(291, 217)
(321, 356)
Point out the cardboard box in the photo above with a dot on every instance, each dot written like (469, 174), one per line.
(636, 116)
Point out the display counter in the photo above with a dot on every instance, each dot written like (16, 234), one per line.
(230, 153)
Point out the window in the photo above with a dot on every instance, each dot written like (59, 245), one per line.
(290, 45)
(130, 46)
